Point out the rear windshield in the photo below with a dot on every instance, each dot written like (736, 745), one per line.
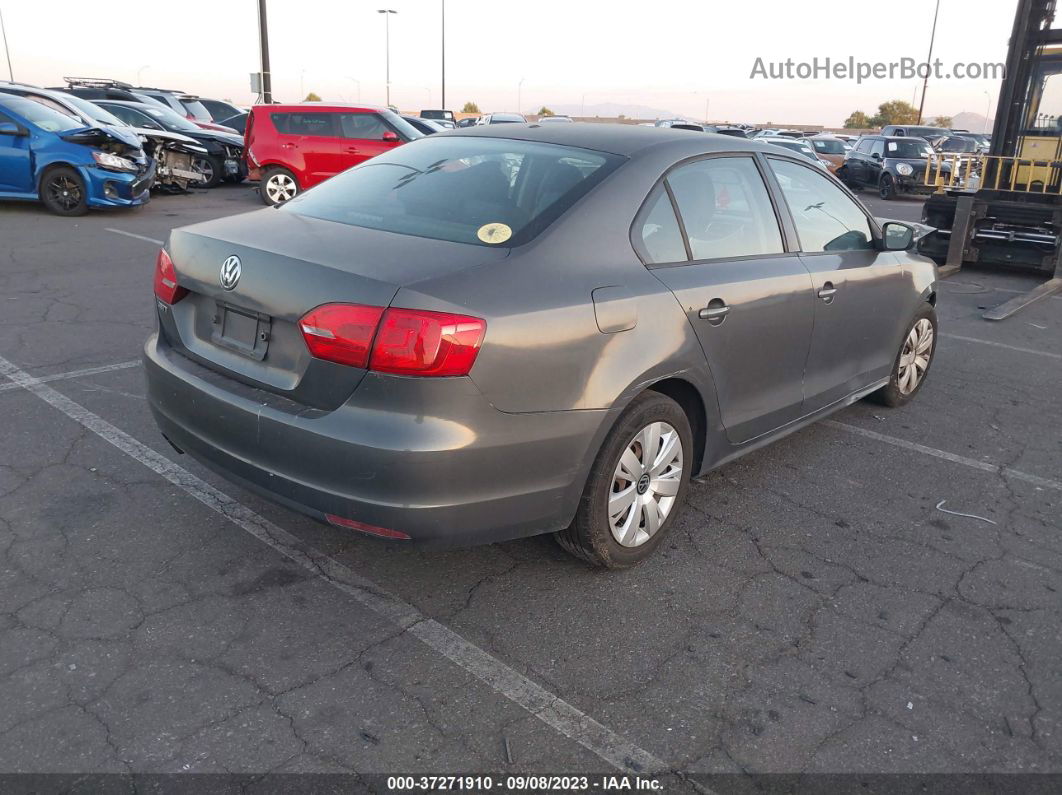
(485, 191)
(197, 109)
(828, 147)
(797, 146)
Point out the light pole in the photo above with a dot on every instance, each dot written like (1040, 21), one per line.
(302, 87)
(139, 72)
(387, 34)
(707, 103)
(929, 59)
(988, 109)
(519, 92)
(428, 89)
(443, 105)
(263, 45)
(7, 50)
(356, 82)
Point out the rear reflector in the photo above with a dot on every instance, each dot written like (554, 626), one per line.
(400, 341)
(341, 333)
(166, 287)
(361, 527)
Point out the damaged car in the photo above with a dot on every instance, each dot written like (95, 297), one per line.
(224, 156)
(174, 154)
(55, 158)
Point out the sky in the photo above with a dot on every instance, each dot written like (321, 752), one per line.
(675, 55)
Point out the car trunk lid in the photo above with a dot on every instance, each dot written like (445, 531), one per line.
(287, 265)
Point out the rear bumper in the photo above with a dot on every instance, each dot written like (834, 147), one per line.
(430, 458)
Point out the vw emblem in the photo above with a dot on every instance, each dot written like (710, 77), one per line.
(231, 269)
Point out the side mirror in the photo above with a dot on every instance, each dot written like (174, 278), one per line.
(10, 128)
(896, 236)
(876, 155)
(390, 136)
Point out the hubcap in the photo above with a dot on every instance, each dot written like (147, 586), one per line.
(645, 484)
(914, 358)
(280, 188)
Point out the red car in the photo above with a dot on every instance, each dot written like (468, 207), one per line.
(290, 148)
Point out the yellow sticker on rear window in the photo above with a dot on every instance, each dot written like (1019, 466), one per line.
(494, 233)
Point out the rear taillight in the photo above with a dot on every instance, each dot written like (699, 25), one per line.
(415, 342)
(166, 288)
(341, 332)
(399, 341)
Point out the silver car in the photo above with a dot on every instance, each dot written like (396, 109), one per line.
(510, 330)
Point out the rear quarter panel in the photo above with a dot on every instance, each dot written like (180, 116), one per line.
(544, 349)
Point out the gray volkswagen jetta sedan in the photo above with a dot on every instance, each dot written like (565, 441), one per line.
(502, 331)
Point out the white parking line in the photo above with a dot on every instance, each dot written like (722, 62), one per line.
(973, 463)
(548, 707)
(1003, 345)
(107, 368)
(138, 237)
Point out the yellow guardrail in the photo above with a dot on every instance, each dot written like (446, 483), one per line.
(994, 172)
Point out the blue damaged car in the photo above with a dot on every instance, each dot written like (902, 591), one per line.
(48, 155)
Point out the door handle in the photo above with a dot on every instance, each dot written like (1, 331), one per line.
(827, 292)
(288, 146)
(351, 150)
(716, 311)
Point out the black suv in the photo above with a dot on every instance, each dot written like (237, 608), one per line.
(891, 164)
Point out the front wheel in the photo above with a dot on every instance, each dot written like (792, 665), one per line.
(912, 363)
(887, 187)
(637, 485)
(63, 192)
(211, 169)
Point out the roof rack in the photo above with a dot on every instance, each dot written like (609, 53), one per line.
(96, 82)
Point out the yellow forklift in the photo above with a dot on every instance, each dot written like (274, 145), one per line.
(1005, 207)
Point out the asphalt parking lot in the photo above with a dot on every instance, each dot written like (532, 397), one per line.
(815, 611)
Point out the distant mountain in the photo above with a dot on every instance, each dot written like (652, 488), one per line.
(974, 122)
(611, 110)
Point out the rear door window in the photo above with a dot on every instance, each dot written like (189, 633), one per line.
(725, 208)
(317, 125)
(658, 238)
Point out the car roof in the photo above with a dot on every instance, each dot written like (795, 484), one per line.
(319, 106)
(627, 140)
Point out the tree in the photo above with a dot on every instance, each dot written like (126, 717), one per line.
(312, 97)
(544, 111)
(895, 112)
(470, 107)
(942, 121)
(857, 121)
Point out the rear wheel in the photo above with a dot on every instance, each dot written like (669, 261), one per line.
(637, 485)
(63, 191)
(278, 186)
(912, 363)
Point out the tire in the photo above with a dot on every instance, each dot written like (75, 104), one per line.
(591, 536)
(278, 186)
(210, 167)
(898, 391)
(887, 187)
(63, 191)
